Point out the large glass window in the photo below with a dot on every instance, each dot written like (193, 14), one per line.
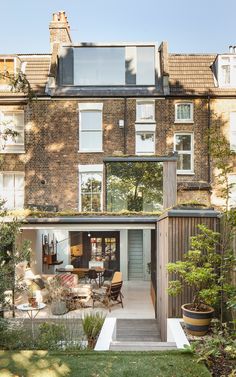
(90, 135)
(12, 190)
(10, 122)
(134, 186)
(145, 66)
(108, 65)
(99, 66)
(183, 144)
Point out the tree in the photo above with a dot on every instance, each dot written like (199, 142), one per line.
(135, 183)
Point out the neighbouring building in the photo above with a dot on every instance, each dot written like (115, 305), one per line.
(116, 133)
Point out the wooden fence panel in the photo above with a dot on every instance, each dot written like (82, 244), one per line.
(174, 230)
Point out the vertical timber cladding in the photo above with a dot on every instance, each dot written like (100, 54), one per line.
(174, 230)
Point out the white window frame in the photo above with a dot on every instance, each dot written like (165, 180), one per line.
(144, 102)
(190, 120)
(90, 169)
(232, 62)
(232, 131)
(145, 128)
(89, 107)
(12, 147)
(2, 173)
(190, 171)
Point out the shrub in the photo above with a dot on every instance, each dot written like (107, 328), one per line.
(92, 325)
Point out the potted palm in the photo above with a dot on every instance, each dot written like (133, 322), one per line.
(200, 271)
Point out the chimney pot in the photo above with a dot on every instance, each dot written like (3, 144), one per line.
(55, 17)
(230, 49)
(234, 50)
(62, 16)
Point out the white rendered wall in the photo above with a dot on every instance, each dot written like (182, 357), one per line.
(63, 247)
(124, 253)
(146, 252)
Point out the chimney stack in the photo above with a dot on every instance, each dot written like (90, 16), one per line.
(59, 29)
(230, 49)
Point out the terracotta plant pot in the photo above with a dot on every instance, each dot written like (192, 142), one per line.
(197, 323)
(32, 302)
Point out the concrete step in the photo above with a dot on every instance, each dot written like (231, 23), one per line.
(142, 346)
(143, 330)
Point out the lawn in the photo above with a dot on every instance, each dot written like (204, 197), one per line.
(99, 364)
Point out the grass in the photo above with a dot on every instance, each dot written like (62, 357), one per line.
(100, 364)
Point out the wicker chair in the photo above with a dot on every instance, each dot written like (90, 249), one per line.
(109, 296)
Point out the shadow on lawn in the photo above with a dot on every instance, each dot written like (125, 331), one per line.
(32, 363)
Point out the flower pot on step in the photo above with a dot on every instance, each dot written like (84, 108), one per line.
(197, 322)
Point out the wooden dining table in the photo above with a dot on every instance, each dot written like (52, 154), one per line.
(80, 270)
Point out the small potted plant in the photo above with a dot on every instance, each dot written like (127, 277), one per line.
(200, 271)
(58, 295)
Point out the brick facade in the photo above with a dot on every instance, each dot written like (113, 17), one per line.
(52, 155)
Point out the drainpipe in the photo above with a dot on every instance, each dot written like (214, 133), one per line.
(125, 122)
(209, 129)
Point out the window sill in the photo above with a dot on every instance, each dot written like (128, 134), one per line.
(151, 121)
(13, 152)
(90, 151)
(182, 172)
(182, 121)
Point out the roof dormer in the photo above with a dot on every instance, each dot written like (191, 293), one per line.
(226, 69)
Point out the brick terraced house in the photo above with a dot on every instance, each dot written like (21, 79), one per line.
(117, 133)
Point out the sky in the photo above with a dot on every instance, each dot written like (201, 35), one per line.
(199, 26)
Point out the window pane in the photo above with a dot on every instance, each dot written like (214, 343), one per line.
(91, 120)
(145, 111)
(183, 142)
(99, 66)
(145, 66)
(91, 188)
(134, 186)
(145, 142)
(184, 162)
(91, 141)
(225, 72)
(184, 111)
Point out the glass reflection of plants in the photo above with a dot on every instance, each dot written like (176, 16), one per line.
(134, 186)
(91, 188)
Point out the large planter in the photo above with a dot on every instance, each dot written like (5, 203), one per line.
(58, 308)
(197, 323)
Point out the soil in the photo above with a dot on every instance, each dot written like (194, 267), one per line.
(219, 365)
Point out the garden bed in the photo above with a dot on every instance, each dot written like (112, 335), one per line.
(216, 349)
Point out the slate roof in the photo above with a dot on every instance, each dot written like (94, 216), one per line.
(193, 74)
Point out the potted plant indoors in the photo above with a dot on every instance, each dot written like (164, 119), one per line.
(57, 296)
(200, 270)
